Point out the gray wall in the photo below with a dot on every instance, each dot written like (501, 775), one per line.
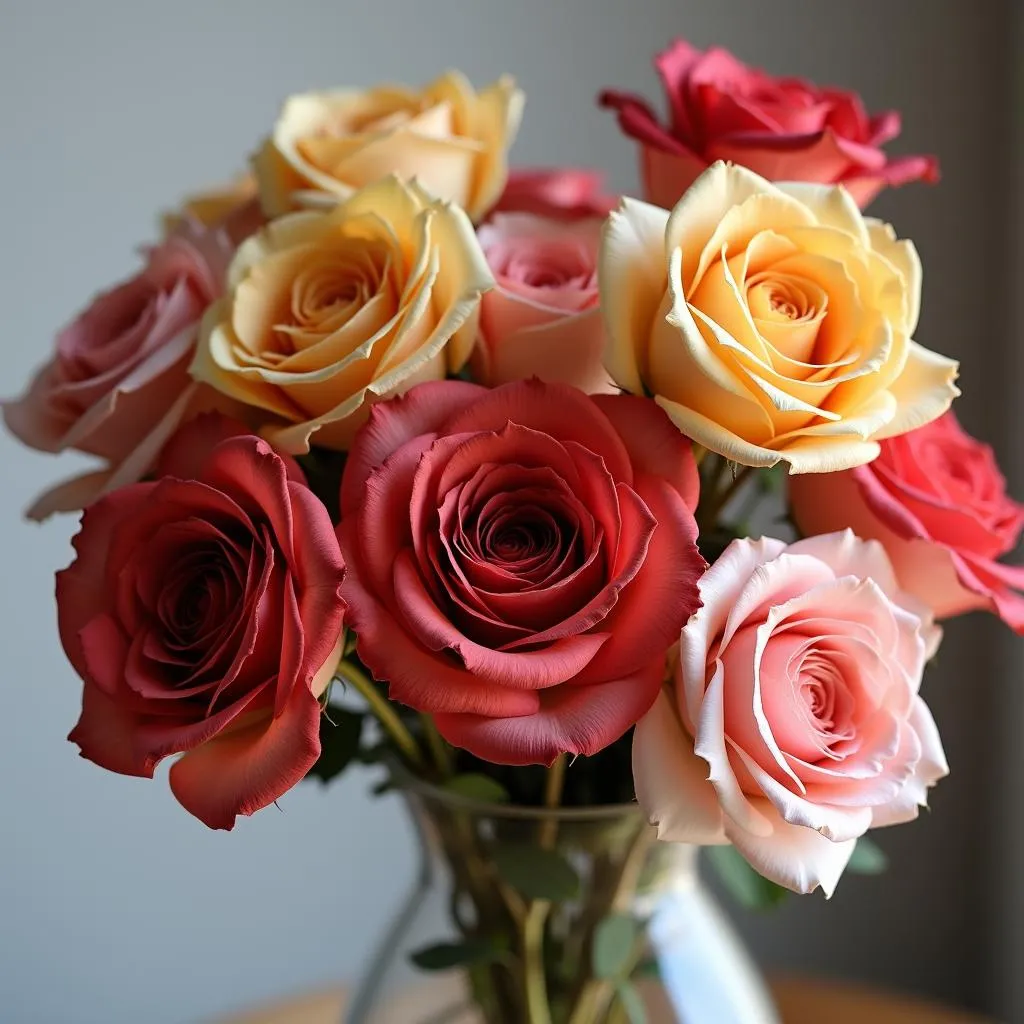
(115, 906)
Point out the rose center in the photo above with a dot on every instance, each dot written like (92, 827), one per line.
(325, 294)
(88, 349)
(827, 699)
(779, 298)
(522, 534)
(556, 266)
(787, 311)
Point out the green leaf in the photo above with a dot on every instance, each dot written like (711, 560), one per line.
(443, 955)
(340, 733)
(742, 882)
(868, 858)
(537, 874)
(773, 479)
(614, 941)
(647, 968)
(374, 754)
(632, 1002)
(478, 787)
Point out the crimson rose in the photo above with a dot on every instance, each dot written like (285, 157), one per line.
(519, 561)
(203, 616)
(784, 129)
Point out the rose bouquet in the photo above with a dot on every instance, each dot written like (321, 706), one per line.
(411, 460)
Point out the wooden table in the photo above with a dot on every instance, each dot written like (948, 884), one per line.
(800, 1001)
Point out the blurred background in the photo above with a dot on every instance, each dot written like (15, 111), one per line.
(115, 905)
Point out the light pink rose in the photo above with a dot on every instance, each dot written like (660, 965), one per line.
(794, 723)
(118, 385)
(556, 192)
(936, 499)
(543, 317)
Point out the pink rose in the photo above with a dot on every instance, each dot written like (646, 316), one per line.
(556, 192)
(784, 129)
(118, 384)
(202, 613)
(543, 317)
(519, 561)
(937, 501)
(795, 723)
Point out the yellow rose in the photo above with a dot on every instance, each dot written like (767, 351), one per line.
(454, 141)
(327, 310)
(771, 322)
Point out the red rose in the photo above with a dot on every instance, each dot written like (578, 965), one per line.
(203, 616)
(936, 500)
(557, 192)
(520, 560)
(784, 129)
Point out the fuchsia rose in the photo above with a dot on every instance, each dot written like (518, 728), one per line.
(937, 501)
(518, 561)
(202, 613)
(543, 317)
(118, 384)
(794, 724)
(784, 129)
(556, 192)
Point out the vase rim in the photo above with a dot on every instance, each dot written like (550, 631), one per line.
(409, 782)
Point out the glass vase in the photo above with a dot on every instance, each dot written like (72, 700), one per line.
(569, 916)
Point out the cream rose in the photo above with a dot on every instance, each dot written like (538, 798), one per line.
(453, 140)
(771, 322)
(325, 311)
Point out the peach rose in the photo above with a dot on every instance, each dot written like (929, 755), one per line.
(452, 140)
(328, 310)
(794, 723)
(543, 318)
(118, 384)
(936, 499)
(236, 203)
(773, 323)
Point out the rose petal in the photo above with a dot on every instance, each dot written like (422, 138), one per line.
(672, 785)
(578, 720)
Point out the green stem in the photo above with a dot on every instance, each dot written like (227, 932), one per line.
(382, 710)
(554, 784)
(749, 506)
(708, 516)
(535, 987)
(596, 994)
(439, 750)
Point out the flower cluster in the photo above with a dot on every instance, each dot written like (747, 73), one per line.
(384, 411)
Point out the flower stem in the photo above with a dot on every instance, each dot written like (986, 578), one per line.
(596, 993)
(439, 750)
(707, 515)
(535, 988)
(382, 710)
(554, 784)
